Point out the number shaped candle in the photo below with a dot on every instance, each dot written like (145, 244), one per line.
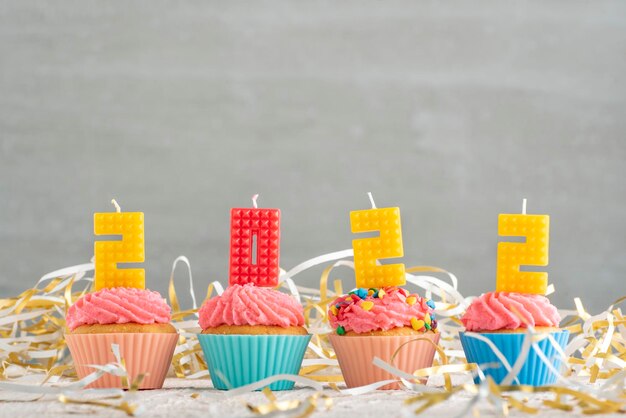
(533, 252)
(368, 250)
(248, 225)
(130, 249)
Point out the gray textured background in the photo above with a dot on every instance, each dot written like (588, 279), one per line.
(185, 109)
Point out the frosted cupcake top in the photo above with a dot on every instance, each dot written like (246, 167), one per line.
(118, 305)
(506, 310)
(251, 305)
(365, 310)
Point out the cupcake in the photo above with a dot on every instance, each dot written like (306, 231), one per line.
(503, 318)
(250, 333)
(372, 323)
(137, 320)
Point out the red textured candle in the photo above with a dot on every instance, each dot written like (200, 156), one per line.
(246, 226)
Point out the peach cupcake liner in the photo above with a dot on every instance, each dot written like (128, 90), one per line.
(143, 353)
(355, 356)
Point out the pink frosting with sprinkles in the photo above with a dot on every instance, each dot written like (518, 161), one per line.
(506, 310)
(118, 305)
(251, 305)
(349, 313)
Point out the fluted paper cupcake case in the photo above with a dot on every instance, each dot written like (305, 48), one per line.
(143, 353)
(355, 356)
(238, 360)
(534, 371)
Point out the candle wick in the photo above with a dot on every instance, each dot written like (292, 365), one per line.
(254, 198)
(117, 207)
(369, 194)
(524, 206)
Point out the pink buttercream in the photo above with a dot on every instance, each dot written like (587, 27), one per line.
(251, 305)
(392, 311)
(503, 310)
(118, 305)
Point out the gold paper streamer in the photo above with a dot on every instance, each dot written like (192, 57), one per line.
(301, 408)
(32, 341)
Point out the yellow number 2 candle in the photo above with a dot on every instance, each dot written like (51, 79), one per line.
(368, 250)
(533, 252)
(130, 249)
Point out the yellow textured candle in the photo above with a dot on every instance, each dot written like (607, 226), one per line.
(130, 249)
(533, 252)
(368, 250)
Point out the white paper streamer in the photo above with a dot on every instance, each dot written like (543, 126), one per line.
(116, 368)
(361, 390)
(219, 289)
(269, 380)
(66, 272)
(185, 260)
(325, 258)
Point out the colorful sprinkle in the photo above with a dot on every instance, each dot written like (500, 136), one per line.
(417, 324)
(334, 310)
(427, 319)
(367, 305)
(430, 304)
(381, 293)
(341, 330)
(362, 293)
(411, 300)
(370, 292)
(433, 325)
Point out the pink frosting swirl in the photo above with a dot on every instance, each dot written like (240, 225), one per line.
(391, 311)
(251, 305)
(118, 305)
(503, 310)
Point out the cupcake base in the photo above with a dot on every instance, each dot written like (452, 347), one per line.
(238, 360)
(355, 356)
(143, 353)
(255, 330)
(534, 371)
(129, 327)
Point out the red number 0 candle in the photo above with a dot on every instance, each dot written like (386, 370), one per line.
(248, 225)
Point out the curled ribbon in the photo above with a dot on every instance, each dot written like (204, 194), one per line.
(32, 324)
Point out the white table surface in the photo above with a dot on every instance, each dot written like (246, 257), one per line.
(176, 400)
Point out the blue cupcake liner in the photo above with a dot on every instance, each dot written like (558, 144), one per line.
(534, 372)
(238, 360)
